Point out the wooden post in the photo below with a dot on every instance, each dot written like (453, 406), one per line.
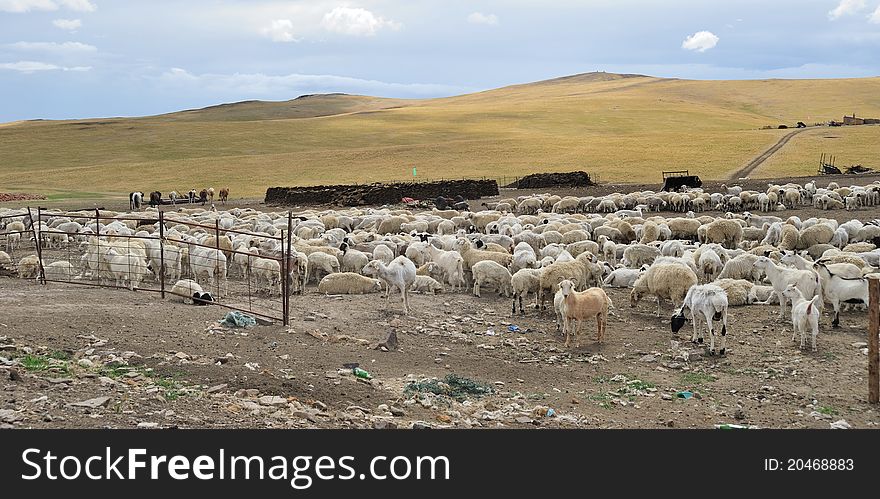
(873, 330)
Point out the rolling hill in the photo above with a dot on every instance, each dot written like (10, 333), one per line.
(618, 127)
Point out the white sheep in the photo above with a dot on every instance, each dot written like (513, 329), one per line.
(342, 283)
(426, 284)
(710, 301)
(806, 280)
(208, 263)
(267, 275)
(710, 265)
(636, 255)
(490, 272)
(59, 271)
(841, 286)
(126, 267)
(804, 313)
(5, 260)
(321, 264)
(183, 291)
(622, 278)
(664, 281)
(400, 274)
(523, 282)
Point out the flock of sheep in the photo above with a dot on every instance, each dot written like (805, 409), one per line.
(563, 250)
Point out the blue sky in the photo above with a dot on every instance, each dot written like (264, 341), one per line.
(88, 58)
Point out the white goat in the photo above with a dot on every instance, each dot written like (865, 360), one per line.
(803, 313)
(400, 273)
(711, 301)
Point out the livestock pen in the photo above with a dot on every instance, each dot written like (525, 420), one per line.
(150, 251)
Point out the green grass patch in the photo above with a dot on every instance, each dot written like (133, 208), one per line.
(42, 363)
(638, 384)
(827, 410)
(697, 378)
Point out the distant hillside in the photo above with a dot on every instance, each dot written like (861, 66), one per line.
(305, 106)
(617, 127)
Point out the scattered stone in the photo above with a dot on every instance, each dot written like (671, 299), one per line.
(859, 344)
(182, 355)
(648, 358)
(309, 318)
(524, 420)
(666, 396)
(147, 425)
(444, 418)
(217, 388)
(390, 343)
(272, 400)
(384, 424)
(420, 425)
(88, 364)
(396, 411)
(739, 414)
(92, 403)
(14, 376)
(9, 416)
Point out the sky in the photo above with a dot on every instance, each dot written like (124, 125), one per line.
(62, 59)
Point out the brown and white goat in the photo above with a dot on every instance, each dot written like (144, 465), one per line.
(579, 306)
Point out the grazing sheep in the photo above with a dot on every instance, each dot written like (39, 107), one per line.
(664, 281)
(727, 233)
(471, 256)
(490, 272)
(400, 274)
(636, 255)
(580, 306)
(710, 301)
(320, 265)
(804, 313)
(523, 282)
(741, 267)
(348, 283)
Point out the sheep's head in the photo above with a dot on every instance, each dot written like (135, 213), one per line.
(371, 268)
(566, 286)
(678, 320)
(635, 296)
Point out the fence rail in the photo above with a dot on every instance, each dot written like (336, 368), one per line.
(142, 252)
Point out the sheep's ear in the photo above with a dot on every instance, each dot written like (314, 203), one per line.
(767, 253)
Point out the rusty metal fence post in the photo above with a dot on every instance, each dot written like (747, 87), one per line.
(873, 331)
(35, 233)
(285, 255)
(217, 256)
(161, 254)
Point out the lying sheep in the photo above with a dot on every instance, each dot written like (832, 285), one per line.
(29, 267)
(622, 278)
(348, 283)
(59, 271)
(183, 291)
(426, 284)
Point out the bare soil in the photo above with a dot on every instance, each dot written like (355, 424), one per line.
(171, 365)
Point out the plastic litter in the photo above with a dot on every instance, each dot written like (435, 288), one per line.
(684, 395)
(513, 328)
(360, 373)
(550, 413)
(730, 426)
(238, 319)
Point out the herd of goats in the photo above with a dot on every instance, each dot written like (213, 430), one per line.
(564, 250)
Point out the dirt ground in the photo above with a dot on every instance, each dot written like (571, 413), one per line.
(83, 357)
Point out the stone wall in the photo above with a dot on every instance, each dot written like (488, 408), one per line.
(542, 180)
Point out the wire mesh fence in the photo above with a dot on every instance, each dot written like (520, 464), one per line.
(167, 253)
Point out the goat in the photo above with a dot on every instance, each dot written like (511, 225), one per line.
(578, 306)
(803, 313)
(711, 301)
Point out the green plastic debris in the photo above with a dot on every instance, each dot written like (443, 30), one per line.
(452, 386)
(729, 426)
(238, 319)
(360, 373)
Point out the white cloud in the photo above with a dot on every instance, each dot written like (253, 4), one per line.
(845, 8)
(700, 41)
(68, 24)
(480, 18)
(53, 47)
(244, 85)
(79, 5)
(29, 5)
(28, 67)
(281, 30)
(875, 17)
(356, 22)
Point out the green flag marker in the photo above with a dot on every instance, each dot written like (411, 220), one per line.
(414, 171)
